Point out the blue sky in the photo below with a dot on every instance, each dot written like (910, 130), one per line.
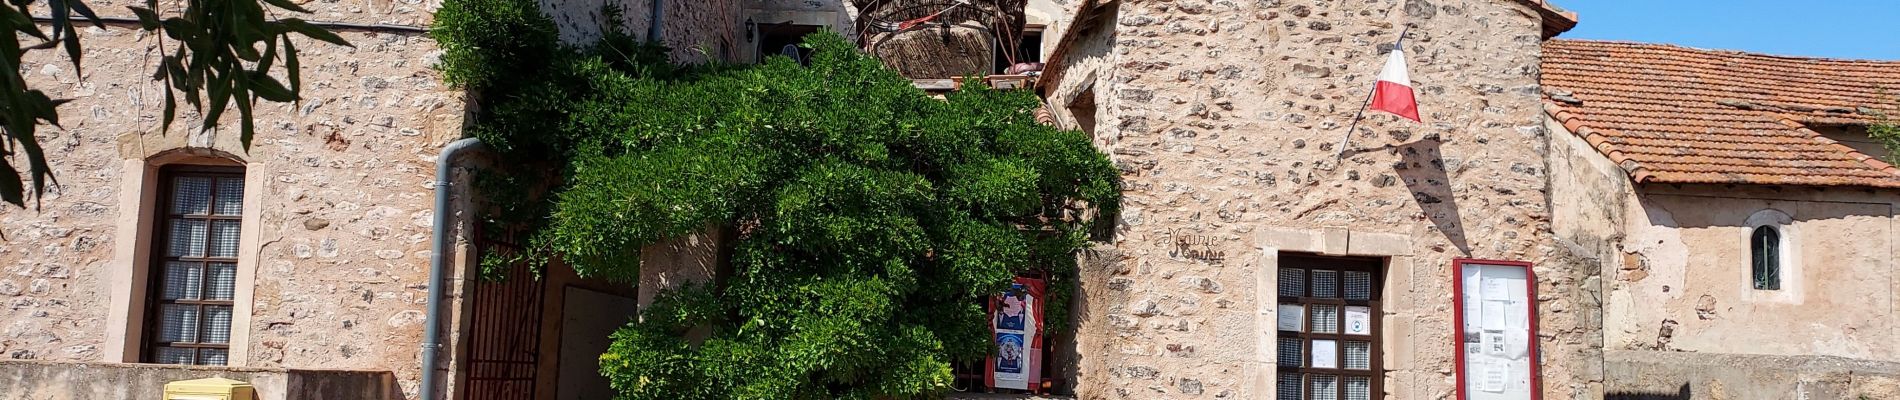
(1858, 29)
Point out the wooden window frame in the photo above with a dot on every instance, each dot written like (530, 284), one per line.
(161, 244)
(1376, 371)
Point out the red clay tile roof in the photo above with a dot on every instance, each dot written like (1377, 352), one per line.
(1670, 114)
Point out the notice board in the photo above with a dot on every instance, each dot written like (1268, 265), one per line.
(1016, 323)
(1497, 330)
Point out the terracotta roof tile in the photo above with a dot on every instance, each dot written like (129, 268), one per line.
(1671, 114)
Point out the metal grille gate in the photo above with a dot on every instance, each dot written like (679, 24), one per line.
(505, 336)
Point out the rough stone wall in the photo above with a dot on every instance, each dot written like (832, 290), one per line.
(1103, 288)
(1085, 87)
(1225, 118)
(342, 281)
(1589, 198)
(340, 276)
(37, 380)
(582, 22)
(698, 31)
(1649, 375)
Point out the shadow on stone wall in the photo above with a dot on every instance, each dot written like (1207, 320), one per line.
(1422, 169)
(1681, 394)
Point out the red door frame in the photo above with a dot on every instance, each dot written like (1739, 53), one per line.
(1458, 320)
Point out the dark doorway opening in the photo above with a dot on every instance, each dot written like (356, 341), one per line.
(783, 39)
(1028, 50)
(504, 337)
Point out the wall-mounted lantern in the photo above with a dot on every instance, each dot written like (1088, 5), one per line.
(751, 30)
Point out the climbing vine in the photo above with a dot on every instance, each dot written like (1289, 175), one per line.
(863, 219)
(1887, 131)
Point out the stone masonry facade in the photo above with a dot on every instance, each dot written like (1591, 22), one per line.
(334, 264)
(341, 186)
(1225, 118)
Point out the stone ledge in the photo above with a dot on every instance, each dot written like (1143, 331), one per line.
(1336, 241)
(1658, 374)
(1000, 396)
(22, 380)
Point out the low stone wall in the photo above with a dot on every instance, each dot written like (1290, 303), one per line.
(995, 396)
(1654, 375)
(36, 380)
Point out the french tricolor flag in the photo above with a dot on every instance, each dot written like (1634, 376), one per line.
(1394, 91)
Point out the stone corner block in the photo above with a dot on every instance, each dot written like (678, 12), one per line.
(1335, 240)
(1292, 239)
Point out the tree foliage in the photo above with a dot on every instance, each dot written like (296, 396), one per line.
(214, 61)
(1886, 130)
(864, 219)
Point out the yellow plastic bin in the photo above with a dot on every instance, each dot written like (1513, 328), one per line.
(208, 389)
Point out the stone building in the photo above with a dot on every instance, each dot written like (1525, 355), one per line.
(1637, 179)
(307, 251)
(1739, 212)
(301, 264)
(1226, 119)
(1703, 224)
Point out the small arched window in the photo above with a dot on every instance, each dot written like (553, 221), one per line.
(1765, 249)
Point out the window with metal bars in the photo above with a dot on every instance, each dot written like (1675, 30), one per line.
(194, 267)
(1329, 328)
(1765, 249)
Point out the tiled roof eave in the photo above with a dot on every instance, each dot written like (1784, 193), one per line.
(1732, 179)
(1640, 172)
(1672, 114)
(1856, 154)
(1597, 141)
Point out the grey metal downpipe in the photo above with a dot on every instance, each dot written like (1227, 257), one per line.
(439, 265)
(656, 29)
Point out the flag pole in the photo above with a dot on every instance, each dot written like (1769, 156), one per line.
(1347, 138)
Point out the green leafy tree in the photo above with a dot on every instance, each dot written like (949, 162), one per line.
(217, 53)
(865, 220)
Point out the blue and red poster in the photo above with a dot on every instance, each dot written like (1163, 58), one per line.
(1016, 326)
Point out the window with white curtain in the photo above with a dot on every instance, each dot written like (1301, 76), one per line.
(1328, 327)
(194, 271)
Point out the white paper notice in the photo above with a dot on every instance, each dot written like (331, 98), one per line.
(1474, 314)
(1495, 289)
(1358, 320)
(1517, 316)
(1494, 344)
(1517, 343)
(1494, 315)
(1494, 376)
(1325, 354)
(1292, 317)
(1473, 304)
